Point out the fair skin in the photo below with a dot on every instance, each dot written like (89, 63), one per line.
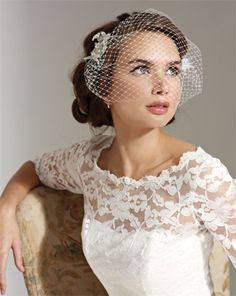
(24, 180)
(134, 125)
(138, 134)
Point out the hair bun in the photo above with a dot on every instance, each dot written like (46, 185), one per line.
(123, 16)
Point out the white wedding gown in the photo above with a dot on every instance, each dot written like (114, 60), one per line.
(151, 236)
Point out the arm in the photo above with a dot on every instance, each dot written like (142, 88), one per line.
(15, 191)
(19, 185)
(214, 204)
(60, 169)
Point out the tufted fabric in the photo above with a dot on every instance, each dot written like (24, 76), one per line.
(50, 223)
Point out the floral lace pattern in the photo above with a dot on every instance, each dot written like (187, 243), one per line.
(214, 203)
(196, 194)
(59, 169)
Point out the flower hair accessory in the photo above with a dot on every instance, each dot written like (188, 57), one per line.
(186, 64)
(100, 46)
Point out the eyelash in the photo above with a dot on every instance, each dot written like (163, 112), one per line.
(177, 70)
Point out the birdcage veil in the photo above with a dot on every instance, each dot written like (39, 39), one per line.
(176, 71)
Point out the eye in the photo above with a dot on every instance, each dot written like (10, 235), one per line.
(139, 67)
(174, 71)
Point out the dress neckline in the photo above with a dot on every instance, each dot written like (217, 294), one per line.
(128, 180)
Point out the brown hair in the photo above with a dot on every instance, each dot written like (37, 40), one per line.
(94, 110)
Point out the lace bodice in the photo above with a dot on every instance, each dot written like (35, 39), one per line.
(195, 199)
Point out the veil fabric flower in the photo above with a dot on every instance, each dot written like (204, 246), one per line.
(100, 46)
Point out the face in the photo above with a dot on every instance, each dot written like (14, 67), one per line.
(147, 69)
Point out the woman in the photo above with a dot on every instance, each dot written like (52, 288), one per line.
(153, 203)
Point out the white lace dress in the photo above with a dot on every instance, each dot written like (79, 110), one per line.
(151, 236)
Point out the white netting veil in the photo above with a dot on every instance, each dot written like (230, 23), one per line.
(145, 54)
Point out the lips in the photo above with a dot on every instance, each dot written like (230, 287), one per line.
(158, 110)
(159, 104)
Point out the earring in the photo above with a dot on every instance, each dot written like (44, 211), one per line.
(108, 106)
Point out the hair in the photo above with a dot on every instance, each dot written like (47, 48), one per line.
(86, 104)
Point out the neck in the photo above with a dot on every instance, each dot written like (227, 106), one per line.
(132, 153)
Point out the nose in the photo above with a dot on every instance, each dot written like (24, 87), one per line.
(160, 87)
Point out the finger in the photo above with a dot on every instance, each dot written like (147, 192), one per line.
(3, 263)
(17, 253)
(3, 287)
(3, 291)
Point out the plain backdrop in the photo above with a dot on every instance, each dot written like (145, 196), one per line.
(41, 42)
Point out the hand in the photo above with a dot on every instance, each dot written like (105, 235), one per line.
(9, 238)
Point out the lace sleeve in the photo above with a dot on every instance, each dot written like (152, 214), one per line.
(214, 203)
(59, 169)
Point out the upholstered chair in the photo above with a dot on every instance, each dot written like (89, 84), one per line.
(50, 223)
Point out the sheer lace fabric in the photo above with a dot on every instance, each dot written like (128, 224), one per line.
(59, 169)
(143, 237)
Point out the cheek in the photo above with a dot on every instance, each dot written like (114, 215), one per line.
(174, 87)
(130, 89)
(121, 88)
(128, 110)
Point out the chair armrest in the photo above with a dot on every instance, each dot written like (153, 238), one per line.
(50, 223)
(219, 268)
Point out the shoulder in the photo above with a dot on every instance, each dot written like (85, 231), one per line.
(183, 147)
(205, 165)
(200, 162)
(209, 169)
(93, 144)
(77, 149)
(178, 147)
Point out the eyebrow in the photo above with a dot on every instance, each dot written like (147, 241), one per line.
(150, 63)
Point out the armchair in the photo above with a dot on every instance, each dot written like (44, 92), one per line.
(50, 223)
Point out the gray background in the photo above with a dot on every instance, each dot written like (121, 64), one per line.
(40, 42)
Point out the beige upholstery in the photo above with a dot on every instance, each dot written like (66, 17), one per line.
(50, 223)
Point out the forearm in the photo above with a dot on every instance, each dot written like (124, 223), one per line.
(24, 180)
